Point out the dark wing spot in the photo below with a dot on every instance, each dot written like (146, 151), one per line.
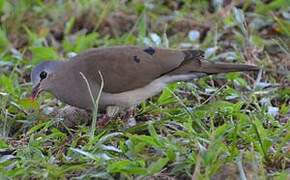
(136, 59)
(150, 50)
(193, 54)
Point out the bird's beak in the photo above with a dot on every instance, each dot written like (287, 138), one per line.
(35, 91)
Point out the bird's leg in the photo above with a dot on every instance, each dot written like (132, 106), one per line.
(111, 112)
(103, 120)
(129, 117)
(129, 113)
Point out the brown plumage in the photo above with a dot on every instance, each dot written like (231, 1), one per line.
(131, 74)
(119, 69)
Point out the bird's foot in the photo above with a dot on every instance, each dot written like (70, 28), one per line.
(111, 112)
(103, 121)
(129, 113)
(130, 118)
(131, 121)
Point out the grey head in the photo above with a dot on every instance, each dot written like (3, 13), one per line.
(42, 76)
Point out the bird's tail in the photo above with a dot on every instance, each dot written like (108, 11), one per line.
(214, 68)
(194, 62)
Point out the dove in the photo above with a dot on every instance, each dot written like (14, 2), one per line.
(129, 74)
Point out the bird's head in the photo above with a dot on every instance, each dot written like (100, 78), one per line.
(42, 77)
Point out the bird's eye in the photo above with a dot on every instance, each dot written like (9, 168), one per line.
(43, 75)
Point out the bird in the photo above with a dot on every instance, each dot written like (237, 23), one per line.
(126, 75)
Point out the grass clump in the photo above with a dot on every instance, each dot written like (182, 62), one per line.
(234, 125)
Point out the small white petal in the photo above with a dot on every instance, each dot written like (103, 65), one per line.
(273, 111)
(193, 35)
(210, 51)
(155, 38)
(71, 54)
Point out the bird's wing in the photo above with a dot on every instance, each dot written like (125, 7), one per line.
(127, 67)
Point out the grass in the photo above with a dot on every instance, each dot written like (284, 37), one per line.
(234, 125)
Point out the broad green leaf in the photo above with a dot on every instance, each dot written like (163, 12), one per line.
(1, 5)
(221, 130)
(7, 84)
(86, 154)
(40, 54)
(166, 95)
(33, 38)
(264, 8)
(86, 42)
(146, 139)
(28, 104)
(152, 131)
(3, 39)
(126, 166)
(69, 25)
(283, 26)
(3, 144)
(240, 19)
(142, 27)
(170, 153)
(258, 41)
(157, 166)
(81, 43)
